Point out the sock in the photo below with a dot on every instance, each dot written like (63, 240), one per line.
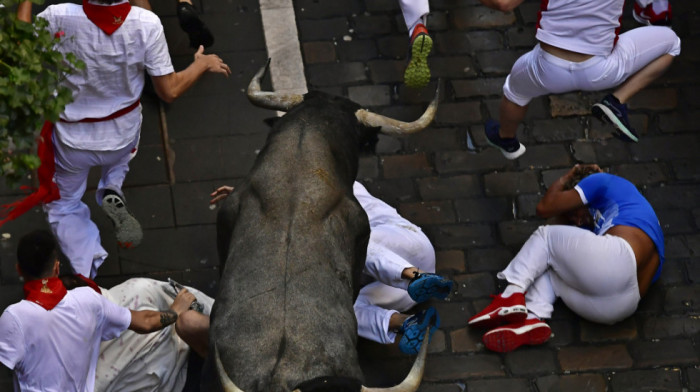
(531, 316)
(511, 289)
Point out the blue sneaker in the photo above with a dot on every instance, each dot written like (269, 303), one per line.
(413, 330)
(426, 285)
(612, 111)
(510, 147)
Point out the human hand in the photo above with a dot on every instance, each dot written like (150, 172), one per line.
(580, 170)
(183, 301)
(220, 193)
(213, 62)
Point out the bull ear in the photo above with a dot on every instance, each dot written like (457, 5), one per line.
(270, 100)
(391, 126)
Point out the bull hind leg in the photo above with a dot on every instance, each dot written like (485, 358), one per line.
(225, 223)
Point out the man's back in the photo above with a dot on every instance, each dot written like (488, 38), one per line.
(54, 350)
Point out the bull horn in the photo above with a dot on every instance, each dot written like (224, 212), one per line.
(226, 382)
(412, 381)
(271, 100)
(391, 126)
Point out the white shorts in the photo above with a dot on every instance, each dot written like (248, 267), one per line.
(538, 73)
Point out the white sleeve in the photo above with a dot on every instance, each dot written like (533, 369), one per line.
(11, 340)
(116, 319)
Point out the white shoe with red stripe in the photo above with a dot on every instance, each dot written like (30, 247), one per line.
(509, 337)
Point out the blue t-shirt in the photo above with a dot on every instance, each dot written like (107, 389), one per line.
(612, 201)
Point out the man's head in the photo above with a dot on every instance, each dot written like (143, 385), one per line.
(579, 174)
(36, 255)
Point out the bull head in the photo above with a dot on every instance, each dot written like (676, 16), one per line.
(286, 101)
(409, 384)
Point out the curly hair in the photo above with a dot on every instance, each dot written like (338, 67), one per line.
(579, 175)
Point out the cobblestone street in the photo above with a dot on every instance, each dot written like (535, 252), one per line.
(476, 206)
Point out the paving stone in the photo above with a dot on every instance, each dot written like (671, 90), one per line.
(459, 113)
(393, 191)
(577, 359)
(678, 147)
(575, 382)
(686, 169)
(526, 206)
(461, 236)
(315, 10)
(653, 301)
(382, 6)
(570, 104)
(465, 340)
(356, 50)
(386, 71)
(454, 387)
(491, 259)
(483, 209)
(451, 188)
(673, 272)
(545, 156)
(548, 131)
(396, 166)
(480, 17)
(387, 145)
(453, 67)
(511, 183)
(370, 95)
(693, 378)
(366, 26)
(478, 87)
(654, 99)
(670, 327)
(421, 96)
(661, 353)
(682, 300)
(318, 52)
(596, 333)
(528, 12)
(675, 221)
(515, 233)
(452, 314)
(583, 152)
(433, 139)
(563, 332)
(203, 279)
(472, 286)
(531, 361)
(610, 152)
(497, 62)
(647, 380)
(322, 29)
(336, 73)
(509, 384)
(151, 205)
(191, 201)
(693, 267)
(429, 213)
(521, 37)
(450, 261)
(641, 174)
(461, 367)
(394, 46)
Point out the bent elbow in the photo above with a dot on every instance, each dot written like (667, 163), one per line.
(542, 211)
(168, 97)
(505, 5)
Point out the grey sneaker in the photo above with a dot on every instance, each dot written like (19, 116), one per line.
(127, 228)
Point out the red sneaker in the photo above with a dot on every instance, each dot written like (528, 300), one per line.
(509, 337)
(501, 311)
(657, 13)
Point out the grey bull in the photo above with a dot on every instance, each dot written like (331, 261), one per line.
(293, 238)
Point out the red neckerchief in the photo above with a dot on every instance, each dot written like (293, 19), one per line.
(91, 283)
(47, 191)
(107, 17)
(47, 292)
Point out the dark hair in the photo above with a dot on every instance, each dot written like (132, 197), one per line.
(36, 253)
(579, 175)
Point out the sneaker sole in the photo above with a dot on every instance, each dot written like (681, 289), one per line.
(505, 339)
(511, 314)
(127, 228)
(427, 289)
(509, 155)
(417, 72)
(604, 114)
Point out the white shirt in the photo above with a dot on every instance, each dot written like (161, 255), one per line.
(113, 77)
(583, 26)
(57, 350)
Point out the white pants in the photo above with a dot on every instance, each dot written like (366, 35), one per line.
(68, 216)
(392, 248)
(595, 276)
(538, 73)
(413, 11)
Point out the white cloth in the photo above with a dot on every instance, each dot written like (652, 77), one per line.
(394, 245)
(56, 350)
(69, 217)
(413, 11)
(145, 362)
(538, 73)
(584, 26)
(595, 275)
(113, 77)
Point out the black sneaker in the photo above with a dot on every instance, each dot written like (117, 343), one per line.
(127, 228)
(190, 23)
(510, 147)
(612, 111)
